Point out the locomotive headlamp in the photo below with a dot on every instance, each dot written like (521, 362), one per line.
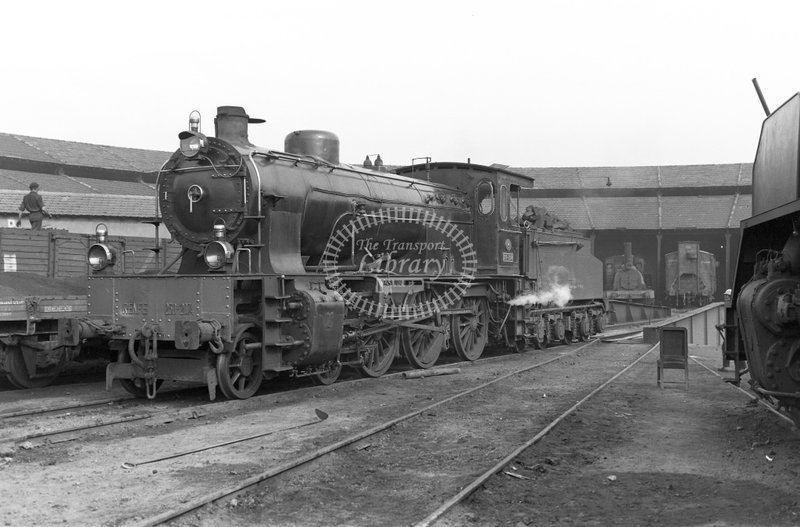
(193, 143)
(217, 254)
(101, 231)
(100, 256)
(194, 121)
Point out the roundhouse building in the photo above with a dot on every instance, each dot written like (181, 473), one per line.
(651, 207)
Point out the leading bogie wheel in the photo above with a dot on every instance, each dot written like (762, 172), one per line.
(18, 360)
(239, 372)
(137, 387)
(330, 376)
(383, 349)
(470, 332)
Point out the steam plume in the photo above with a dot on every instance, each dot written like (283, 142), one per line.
(554, 290)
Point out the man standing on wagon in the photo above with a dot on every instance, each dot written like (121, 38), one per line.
(32, 202)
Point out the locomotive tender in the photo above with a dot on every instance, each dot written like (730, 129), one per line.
(293, 262)
(765, 298)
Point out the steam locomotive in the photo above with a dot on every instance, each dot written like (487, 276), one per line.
(294, 263)
(624, 278)
(765, 314)
(691, 275)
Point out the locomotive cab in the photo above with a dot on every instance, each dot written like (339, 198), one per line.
(497, 234)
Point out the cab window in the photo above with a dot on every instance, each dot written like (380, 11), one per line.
(484, 197)
(505, 202)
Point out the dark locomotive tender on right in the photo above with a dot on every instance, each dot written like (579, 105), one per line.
(765, 311)
(290, 265)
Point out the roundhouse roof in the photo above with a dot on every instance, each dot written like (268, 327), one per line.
(82, 179)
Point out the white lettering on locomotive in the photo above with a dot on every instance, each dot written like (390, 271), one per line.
(134, 308)
(171, 308)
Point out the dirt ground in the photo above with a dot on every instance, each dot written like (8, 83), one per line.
(635, 455)
(640, 455)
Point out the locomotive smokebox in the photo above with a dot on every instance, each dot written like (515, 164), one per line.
(316, 143)
(231, 122)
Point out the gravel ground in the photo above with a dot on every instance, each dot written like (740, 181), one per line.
(635, 455)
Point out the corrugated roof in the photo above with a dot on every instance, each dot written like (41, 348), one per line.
(677, 212)
(59, 183)
(652, 177)
(627, 212)
(695, 212)
(12, 146)
(72, 204)
(707, 175)
(71, 153)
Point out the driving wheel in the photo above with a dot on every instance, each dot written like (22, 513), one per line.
(383, 348)
(423, 345)
(470, 332)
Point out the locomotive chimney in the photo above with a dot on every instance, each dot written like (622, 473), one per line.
(231, 122)
(628, 253)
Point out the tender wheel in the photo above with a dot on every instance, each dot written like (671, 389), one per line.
(560, 331)
(422, 347)
(539, 336)
(471, 332)
(600, 323)
(239, 372)
(380, 360)
(330, 376)
(18, 358)
(135, 387)
(584, 328)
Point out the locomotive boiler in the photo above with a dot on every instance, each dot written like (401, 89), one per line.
(295, 263)
(766, 293)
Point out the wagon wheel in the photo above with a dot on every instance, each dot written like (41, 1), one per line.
(539, 336)
(239, 371)
(17, 360)
(330, 376)
(584, 328)
(379, 361)
(421, 346)
(470, 332)
(136, 387)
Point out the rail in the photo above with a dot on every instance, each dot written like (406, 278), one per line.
(700, 325)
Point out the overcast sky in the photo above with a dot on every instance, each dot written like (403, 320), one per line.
(522, 83)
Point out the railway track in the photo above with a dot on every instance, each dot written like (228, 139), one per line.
(106, 410)
(270, 437)
(357, 442)
(754, 398)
